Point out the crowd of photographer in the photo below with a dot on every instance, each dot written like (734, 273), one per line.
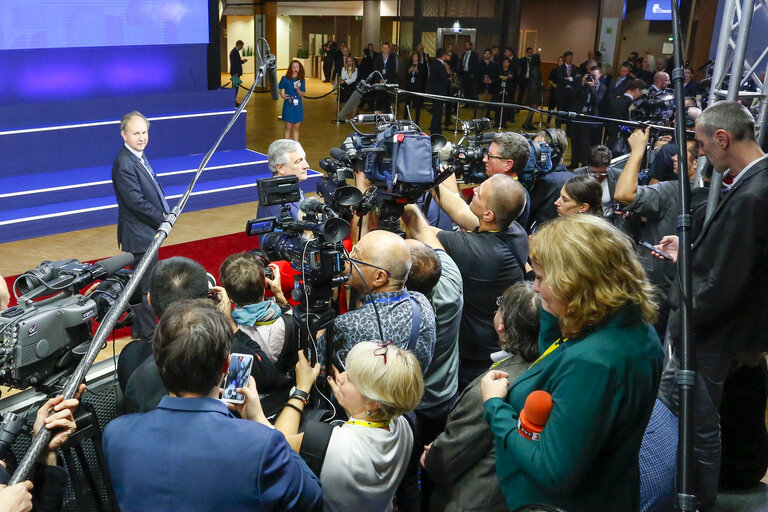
(385, 346)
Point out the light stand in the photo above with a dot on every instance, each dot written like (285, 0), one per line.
(503, 96)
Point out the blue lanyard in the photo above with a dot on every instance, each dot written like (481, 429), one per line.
(387, 300)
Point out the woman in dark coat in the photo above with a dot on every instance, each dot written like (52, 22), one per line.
(416, 81)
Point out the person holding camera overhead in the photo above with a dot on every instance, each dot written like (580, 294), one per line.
(292, 88)
(587, 100)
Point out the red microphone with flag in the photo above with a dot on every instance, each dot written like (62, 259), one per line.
(534, 415)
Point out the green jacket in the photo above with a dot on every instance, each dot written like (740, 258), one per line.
(603, 387)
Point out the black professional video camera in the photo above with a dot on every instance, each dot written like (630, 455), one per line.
(398, 159)
(319, 259)
(465, 159)
(655, 108)
(333, 187)
(42, 341)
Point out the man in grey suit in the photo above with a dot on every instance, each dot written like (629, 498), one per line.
(140, 200)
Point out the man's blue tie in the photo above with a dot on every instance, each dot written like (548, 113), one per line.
(157, 183)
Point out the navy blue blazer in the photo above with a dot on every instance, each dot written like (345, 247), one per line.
(391, 67)
(140, 207)
(192, 454)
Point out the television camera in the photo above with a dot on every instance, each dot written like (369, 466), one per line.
(398, 159)
(318, 258)
(465, 159)
(658, 108)
(42, 341)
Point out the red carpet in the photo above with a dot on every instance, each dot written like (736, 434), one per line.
(209, 252)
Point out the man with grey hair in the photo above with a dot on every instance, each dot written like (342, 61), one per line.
(285, 157)
(491, 257)
(141, 205)
(379, 265)
(729, 280)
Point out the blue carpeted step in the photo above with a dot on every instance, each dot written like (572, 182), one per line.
(19, 192)
(100, 211)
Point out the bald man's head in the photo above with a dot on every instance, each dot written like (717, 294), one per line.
(506, 199)
(387, 251)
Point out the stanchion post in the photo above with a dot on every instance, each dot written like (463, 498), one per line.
(338, 103)
(503, 97)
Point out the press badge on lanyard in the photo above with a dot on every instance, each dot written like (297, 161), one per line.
(295, 102)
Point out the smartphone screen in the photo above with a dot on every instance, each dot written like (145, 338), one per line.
(237, 377)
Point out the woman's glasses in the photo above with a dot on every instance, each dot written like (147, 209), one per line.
(382, 350)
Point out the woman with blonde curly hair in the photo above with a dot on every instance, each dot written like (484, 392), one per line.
(601, 363)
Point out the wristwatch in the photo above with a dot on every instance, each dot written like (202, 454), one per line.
(299, 394)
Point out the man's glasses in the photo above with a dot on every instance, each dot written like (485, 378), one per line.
(597, 174)
(489, 155)
(359, 262)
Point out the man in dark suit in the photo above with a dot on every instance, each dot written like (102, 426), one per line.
(423, 57)
(587, 99)
(566, 83)
(468, 69)
(140, 198)
(618, 108)
(729, 281)
(236, 65)
(386, 64)
(617, 85)
(453, 67)
(254, 466)
(487, 79)
(523, 74)
(141, 204)
(439, 83)
(329, 54)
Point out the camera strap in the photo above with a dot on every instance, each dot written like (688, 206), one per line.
(415, 324)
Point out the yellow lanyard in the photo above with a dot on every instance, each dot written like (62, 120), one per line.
(551, 349)
(369, 424)
(497, 363)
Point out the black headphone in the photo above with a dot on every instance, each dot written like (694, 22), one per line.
(557, 150)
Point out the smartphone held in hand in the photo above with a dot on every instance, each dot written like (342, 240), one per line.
(237, 377)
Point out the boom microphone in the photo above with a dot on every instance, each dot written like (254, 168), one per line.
(534, 415)
(357, 95)
(103, 268)
(311, 205)
(270, 69)
(340, 155)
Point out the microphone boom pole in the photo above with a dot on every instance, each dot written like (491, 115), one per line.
(686, 375)
(40, 443)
